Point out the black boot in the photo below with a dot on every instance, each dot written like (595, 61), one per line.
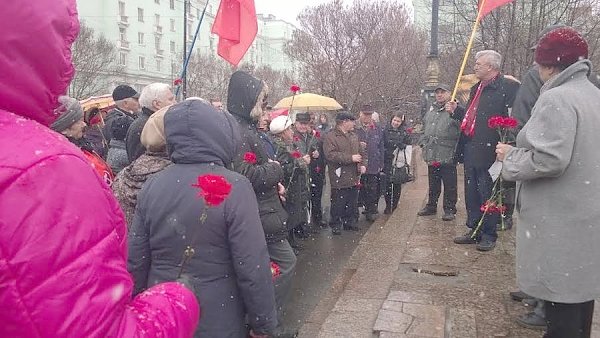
(427, 211)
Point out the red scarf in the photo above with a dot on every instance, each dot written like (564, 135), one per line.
(468, 124)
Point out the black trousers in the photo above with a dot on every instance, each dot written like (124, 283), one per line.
(569, 320)
(392, 195)
(316, 193)
(343, 205)
(446, 175)
(369, 192)
(508, 198)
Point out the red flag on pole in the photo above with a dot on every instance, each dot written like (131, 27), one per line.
(236, 26)
(486, 6)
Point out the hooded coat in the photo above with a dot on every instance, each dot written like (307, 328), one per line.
(244, 91)
(230, 268)
(556, 165)
(63, 245)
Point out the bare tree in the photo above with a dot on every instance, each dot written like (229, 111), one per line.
(208, 77)
(94, 58)
(365, 52)
(513, 29)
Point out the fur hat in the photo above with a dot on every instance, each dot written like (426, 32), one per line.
(280, 124)
(561, 47)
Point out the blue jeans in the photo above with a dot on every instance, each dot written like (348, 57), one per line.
(478, 189)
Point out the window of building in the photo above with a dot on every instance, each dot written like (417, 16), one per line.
(123, 59)
(121, 8)
(172, 25)
(158, 65)
(172, 46)
(157, 19)
(140, 14)
(122, 34)
(142, 62)
(157, 2)
(140, 38)
(157, 42)
(172, 4)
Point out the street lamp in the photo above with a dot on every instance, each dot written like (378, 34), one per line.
(433, 65)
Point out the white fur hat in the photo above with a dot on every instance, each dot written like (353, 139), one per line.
(279, 124)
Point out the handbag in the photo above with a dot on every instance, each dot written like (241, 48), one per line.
(401, 166)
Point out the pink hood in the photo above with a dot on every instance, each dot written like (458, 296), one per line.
(63, 248)
(35, 55)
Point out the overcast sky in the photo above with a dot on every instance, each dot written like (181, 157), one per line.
(288, 10)
(284, 9)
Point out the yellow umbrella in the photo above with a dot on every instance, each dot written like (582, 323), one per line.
(103, 102)
(308, 101)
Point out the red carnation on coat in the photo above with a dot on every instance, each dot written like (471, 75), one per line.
(436, 164)
(317, 134)
(275, 270)
(317, 169)
(250, 158)
(214, 189)
(296, 154)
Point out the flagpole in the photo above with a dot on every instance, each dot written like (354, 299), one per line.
(186, 60)
(468, 51)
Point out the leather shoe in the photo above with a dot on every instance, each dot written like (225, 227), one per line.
(467, 238)
(387, 211)
(351, 227)
(518, 296)
(448, 216)
(336, 231)
(427, 211)
(371, 217)
(532, 321)
(486, 245)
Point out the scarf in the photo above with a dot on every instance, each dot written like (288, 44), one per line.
(468, 124)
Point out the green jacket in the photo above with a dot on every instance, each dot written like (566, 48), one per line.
(441, 134)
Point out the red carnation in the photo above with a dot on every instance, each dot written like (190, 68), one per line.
(409, 130)
(372, 126)
(177, 82)
(317, 169)
(214, 189)
(275, 270)
(436, 164)
(295, 89)
(496, 121)
(510, 122)
(250, 157)
(296, 154)
(317, 134)
(359, 185)
(296, 138)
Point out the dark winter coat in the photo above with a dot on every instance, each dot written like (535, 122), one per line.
(264, 175)
(135, 148)
(95, 135)
(441, 134)
(497, 98)
(229, 269)
(394, 139)
(307, 144)
(117, 156)
(112, 116)
(295, 180)
(131, 179)
(372, 135)
(339, 148)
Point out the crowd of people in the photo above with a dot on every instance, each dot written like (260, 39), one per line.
(179, 219)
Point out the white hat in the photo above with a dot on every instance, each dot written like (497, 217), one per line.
(279, 124)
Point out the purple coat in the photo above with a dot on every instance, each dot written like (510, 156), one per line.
(372, 135)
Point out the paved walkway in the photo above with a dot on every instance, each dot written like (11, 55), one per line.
(377, 293)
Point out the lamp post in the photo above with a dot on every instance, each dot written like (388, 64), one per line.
(433, 66)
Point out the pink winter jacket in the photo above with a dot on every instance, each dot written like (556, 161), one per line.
(62, 235)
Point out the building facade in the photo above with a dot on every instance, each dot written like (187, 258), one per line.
(149, 37)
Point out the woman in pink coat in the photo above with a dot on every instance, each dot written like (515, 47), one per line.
(63, 247)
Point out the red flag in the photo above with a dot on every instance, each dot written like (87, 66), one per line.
(236, 26)
(490, 5)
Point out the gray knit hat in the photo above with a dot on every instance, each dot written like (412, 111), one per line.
(69, 112)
